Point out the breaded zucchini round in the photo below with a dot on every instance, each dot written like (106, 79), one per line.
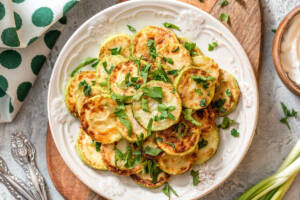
(207, 64)
(175, 56)
(119, 158)
(180, 139)
(196, 51)
(161, 37)
(80, 88)
(124, 79)
(99, 121)
(163, 104)
(116, 45)
(89, 151)
(145, 180)
(195, 87)
(227, 94)
(137, 129)
(176, 164)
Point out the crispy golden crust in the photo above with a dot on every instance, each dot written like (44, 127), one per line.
(187, 88)
(99, 121)
(119, 40)
(227, 90)
(176, 164)
(172, 141)
(146, 181)
(108, 154)
(161, 36)
(117, 78)
(74, 96)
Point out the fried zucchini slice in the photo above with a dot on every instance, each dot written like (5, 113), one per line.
(120, 158)
(161, 37)
(137, 129)
(116, 45)
(99, 121)
(150, 142)
(175, 56)
(176, 164)
(195, 87)
(74, 92)
(227, 94)
(145, 180)
(124, 79)
(180, 139)
(207, 64)
(195, 52)
(89, 151)
(169, 104)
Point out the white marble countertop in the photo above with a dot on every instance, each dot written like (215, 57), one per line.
(271, 143)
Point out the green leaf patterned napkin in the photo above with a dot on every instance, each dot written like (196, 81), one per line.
(28, 32)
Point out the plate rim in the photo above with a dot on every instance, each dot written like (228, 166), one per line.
(116, 6)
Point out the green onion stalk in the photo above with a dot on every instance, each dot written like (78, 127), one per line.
(275, 186)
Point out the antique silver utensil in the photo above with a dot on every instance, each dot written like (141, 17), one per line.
(24, 154)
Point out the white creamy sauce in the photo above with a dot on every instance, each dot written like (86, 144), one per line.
(290, 50)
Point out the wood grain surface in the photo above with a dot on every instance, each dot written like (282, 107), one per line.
(245, 23)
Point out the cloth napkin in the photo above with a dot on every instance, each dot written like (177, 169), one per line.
(28, 32)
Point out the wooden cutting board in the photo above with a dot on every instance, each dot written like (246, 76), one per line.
(245, 23)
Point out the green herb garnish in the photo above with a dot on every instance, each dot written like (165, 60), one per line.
(172, 26)
(131, 28)
(98, 146)
(173, 72)
(175, 50)
(159, 139)
(195, 175)
(224, 17)
(149, 127)
(152, 151)
(151, 167)
(144, 103)
(188, 115)
(223, 3)
(104, 64)
(181, 125)
(235, 133)
(167, 189)
(212, 46)
(84, 63)
(154, 92)
(226, 123)
(144, 72)
(172, 145)
(287, 113)
(198, 91)
(190, 46)
(202, 143)
(86, 88)
(115, 51)
(274, 30)
(228, 93)
(123, 117)
(165, 112)
(152, 49)
(203, 102)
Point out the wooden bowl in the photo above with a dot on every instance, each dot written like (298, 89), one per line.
(291, 85)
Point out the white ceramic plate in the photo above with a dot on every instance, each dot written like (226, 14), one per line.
(196, 25)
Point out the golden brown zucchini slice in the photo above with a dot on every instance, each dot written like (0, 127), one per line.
(116, 45)
(120, 158)
(161, 103)
(195, 87)
(99, 121)
(180, 139)
(195, 50)
(176, 164)
(89, 151)
(207, 64)
(227, 94)
(80, 88)
(124, 79)
(160, 36)
(137, 129)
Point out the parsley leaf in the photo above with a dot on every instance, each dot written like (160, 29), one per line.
(274, 30)
(224, 17)
(195, 175)
(228, 93)
(223, 3)
(84, 63)
(86, 88)
(144, 103)
(151, 167)
(137, 96)
(159, 139)
(149, 127)
(123, 117)
(144, 72)
(115, 51)
(198, 91)
(175, 50)
(172, 145)
(152, 151)
(167, 189)
(212, 46)
(165, 112)
(98, 146)
(226, 123)
(104, 64)
(131, 28)
(181, 133)
(187, 113)
(288, 113)
(172, 26)
(235, 133)
(202, 143)
(173, 72)
(203, 102)
(152, 49)
(190, 46)
(154, 92)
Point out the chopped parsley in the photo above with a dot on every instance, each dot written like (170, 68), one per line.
(173, 72)
(203, 102)
(104, 64)
(165, 112)
(151, 167)
(137, 62)
(226, 123)
(154, 92)
(188, 115)
(144, 72)
(86, 88)
(218, 104)
(195, 175)
(287, 113)
(123, 117)
(144, 103)
(190, 46)
(131, 28)
(274, 30)
(228, 93)
(84, 63)
(130, 82)
(198, 91)
(180, 132)
(167, 189)
(224, 17)
(212, 46)
(129, 158)
(202, 79)
(159, 139)
(235, 133)
(202, 143)
(175, 50)
(95, 64)
(152, 49)
(171, 26)
(172, 145)
(152, 151)
(149, 127)
(115, 51)
(137, 96)
(223, 3)
(98, 146)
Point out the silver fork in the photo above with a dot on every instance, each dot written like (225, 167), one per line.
(24, 154)
(14, 185)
